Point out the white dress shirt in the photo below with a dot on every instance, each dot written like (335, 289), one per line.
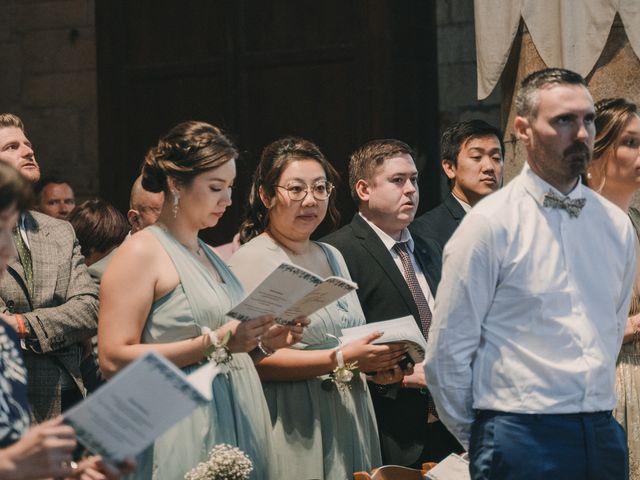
(389, 243)
(532, 306)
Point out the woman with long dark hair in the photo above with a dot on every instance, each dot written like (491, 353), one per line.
(321, 415)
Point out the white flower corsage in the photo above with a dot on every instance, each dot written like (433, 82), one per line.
(224, 463)
(218, 351)
(343, 375)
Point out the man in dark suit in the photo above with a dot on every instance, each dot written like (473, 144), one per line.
(472, 155)
(397, 275)
(46, 294)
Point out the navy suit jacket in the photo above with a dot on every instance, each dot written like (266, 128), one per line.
(384, 295)
(440, 223)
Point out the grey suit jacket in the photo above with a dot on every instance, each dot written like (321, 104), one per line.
(62, 314)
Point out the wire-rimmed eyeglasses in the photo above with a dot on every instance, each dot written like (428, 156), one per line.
(321, 190)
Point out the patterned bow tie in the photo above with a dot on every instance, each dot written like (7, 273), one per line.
(573, 207)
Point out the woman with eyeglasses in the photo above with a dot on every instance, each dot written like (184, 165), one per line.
(323, 422)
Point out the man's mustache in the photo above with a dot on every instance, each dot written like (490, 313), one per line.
(579, 148)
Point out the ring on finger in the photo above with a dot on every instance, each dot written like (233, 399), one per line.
(69, 464)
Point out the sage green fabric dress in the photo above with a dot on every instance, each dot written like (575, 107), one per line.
(318, 433)
(238, 414)
(627, 411)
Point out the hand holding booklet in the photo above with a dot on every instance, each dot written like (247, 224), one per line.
(400, 330)
(149, 396)
(290, 292)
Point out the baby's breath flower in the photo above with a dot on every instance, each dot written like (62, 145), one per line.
(225, 463)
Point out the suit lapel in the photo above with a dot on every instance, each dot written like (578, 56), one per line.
(454, 208)
(14, 268)
(43, 256)
(431, 266)
(374, 246)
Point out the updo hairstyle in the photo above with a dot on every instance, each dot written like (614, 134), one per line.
(189, 149)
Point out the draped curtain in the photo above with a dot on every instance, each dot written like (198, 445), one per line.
(566, 33)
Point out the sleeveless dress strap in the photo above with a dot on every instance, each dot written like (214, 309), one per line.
(197, 282)
(333, 262)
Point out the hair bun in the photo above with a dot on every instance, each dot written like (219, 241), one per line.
(154, 179)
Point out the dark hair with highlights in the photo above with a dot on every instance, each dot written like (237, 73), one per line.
(189, 149)
(612, 115)
(274, 160)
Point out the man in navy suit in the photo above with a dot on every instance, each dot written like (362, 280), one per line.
(472, 155)
(397, 275)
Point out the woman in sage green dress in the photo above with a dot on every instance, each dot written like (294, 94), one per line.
(165, 290)
(615, 174)
(322, 428)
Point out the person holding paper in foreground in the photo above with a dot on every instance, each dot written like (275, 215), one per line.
(326, 423)
(165, 290)
(44, 450)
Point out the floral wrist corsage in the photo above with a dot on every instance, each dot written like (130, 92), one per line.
(343, 375)
(218, 351)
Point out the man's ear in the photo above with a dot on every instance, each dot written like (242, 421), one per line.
(522, 127)
(266, 201)
(362, 190)
(133, 217)
(449, 169)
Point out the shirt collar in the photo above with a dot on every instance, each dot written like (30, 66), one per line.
(465, 206)
(538, 188)
(388, 241)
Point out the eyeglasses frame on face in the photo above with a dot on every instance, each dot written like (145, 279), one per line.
(328, 185)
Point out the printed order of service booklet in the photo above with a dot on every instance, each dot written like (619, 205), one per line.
(402, 329)
(290, 292)
(140, 403)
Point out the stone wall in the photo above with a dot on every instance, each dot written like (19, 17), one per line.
(48, 53)
(457, 67)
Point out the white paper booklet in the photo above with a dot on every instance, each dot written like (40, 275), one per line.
(402, 329)
(454, 467)
(124, 416)
(289, 292)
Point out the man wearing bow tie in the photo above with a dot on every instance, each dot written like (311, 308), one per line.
(531, 309)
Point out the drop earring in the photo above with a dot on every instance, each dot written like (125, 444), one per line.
(176, 202)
